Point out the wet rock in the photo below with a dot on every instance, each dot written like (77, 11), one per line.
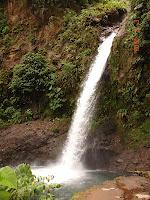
(29, 142)
(144, 196)
(98, 158)
(135, 162)
(147, 174)
(119, 161)
(107, 20)
(125, 188)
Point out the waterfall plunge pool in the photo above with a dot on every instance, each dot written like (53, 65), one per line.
(82, 180)
(92, 178)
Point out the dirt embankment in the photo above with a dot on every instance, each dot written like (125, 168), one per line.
(37, 141)
(40, 141)
(124, 188)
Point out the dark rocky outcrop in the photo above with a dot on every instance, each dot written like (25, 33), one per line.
(105, 150)
(31, 142)
(37, 142)
(111, 19)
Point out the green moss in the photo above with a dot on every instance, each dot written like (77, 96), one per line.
(130, 74)
(139, 136)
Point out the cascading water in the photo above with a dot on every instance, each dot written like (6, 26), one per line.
(75, 145)
(70, 162)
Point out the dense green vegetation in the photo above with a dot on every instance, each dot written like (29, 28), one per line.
(45, 82)
(126, 93)
(21, 184)
(60, 3)
(33, 81)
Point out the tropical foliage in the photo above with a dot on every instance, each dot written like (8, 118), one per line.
(46, 81)
(126, 92)
(21, 184)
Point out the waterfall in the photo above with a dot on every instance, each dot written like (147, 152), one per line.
(69, 165)
(75, 144)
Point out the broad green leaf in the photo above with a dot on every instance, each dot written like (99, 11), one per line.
(8, 177)
(4, 195)
(24, 170)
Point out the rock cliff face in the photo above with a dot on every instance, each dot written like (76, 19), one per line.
(121, 135)
(36, 142)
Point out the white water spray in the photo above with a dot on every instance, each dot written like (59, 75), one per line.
(69, 164)
(75, 145)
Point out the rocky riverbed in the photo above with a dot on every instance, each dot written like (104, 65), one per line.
(124, 188)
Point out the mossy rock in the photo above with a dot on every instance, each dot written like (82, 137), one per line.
(139, 136)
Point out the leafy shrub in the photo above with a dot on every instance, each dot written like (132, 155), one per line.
(16, 117)
(30, 78)
(69, 76)
(70, 14)
(34, 81)
(8, 182)
(55, 98)
(10, 114)
(21, 184)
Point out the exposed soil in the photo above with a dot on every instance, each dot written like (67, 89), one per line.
(40, 141)
(36, 141)
(125, 188)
